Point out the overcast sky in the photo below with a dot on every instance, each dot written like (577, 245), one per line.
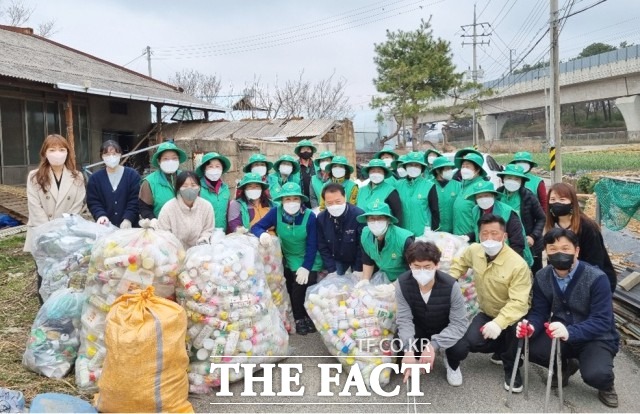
(276, 39)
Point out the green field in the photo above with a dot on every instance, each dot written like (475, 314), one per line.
(586, 161)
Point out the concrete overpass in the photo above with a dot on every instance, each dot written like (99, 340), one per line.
(611, 75)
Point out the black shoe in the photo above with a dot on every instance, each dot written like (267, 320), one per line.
(609, 397)
(568, 369)
(517, 384)
(311, 328)
(301, 327)
(496, 359)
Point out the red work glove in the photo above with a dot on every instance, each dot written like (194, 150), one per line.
(547, 330)
(524, 329)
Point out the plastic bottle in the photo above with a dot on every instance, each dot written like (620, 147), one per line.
(206, 331)
(82, 372)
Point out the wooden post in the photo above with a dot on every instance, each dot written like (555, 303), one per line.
(159, 124)
(68, 114)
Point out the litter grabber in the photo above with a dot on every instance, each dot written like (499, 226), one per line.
(523, 341)
(555, 354)
(415, 406)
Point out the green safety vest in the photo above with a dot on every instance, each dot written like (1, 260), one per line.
(220, 202)
(511, 199)
(348, 186)
(276, 182)
(462, 217)
(414, 196)
(293, 239)
(391, 180)
(368, 194)
(446, 197)
(244, 213)
(317, 184)
(503, 210)
(532, 184)
(161, 188)
(391, 258)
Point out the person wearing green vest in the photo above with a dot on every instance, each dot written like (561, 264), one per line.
(383, 243)
(285, 171)
(401, 172)
(377, 189)
(447, 188)
(305, 151)
(524, 202)
(430, 156)
(159, 187)
(250, 205)
(485, 197)
(296, 227)
(418, 196)
(258, 164)
(472, 173)
(320, 178)
(535, 183)
(214, 189)
(340, 172)
(389, 157)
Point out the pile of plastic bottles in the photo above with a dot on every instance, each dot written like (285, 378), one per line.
(122, 262)
(271, 257)
(232, 317)
(357, 321)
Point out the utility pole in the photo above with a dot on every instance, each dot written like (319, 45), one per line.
(149, 60)
(511, 61)
(555, 158)
(474, 72)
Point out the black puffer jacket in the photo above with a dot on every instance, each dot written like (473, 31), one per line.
(531, 215)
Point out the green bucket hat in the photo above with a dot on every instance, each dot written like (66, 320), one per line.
(401, 160)
(167, 146)
(431, 151)
(291, 190)
(288, 158)
(376, 208)
(257, 158)
(305, 143)
(376, 163)
(481, 187)
(415, 158)
(323, 155)
(474, 158)
(226, 164)
(464, 151)
(441, 162)
(339, 160)
(386, 151)
(513, 170)
(252, 178)
(523, 156)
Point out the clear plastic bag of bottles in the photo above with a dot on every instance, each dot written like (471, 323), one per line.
(271, 257)
(357, 321)
(62, 249)
(232, 317)
(54, 339)
(123, 262)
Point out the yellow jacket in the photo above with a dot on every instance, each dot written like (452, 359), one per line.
(502, 285)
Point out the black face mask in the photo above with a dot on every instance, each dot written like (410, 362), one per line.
(561, 261)
(559, 209)
(305, 155)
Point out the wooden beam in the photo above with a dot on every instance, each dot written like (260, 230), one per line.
(158, 124)
(68, 114)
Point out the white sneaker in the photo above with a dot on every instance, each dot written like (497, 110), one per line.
(454, 377)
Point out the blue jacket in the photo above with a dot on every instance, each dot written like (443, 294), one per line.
(117, 205)
(339, 239)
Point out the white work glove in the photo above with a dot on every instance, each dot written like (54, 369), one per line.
(103, 220)
(241, 230)
(361, 283)
(332, 274)
(265, 239)
(302, 276)
(558, 330)
(126, 224)
(490, 330)
(358, 274)
(149, 223)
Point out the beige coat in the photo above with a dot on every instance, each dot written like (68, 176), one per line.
(190, 225)
(45, 206)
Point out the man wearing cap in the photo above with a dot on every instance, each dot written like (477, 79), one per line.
(258, 164)
(296, 227)
(377, 190)
(471, 173)
(418, 196)
(524, 202)
(213, 188)
(251, 204)
(320, 178)
(535, 183)
(159, 187)
(285, 171)
(340, 172)
(389, 158)
(383, 243)
(305, 150)
(447, 189)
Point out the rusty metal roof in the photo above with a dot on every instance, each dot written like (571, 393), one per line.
(34, 58)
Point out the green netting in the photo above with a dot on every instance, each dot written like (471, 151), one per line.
(619, 201)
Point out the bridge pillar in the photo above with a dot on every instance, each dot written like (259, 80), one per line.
(629, 107)
(492, 126)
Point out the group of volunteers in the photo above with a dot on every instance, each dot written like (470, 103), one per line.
(327, 223)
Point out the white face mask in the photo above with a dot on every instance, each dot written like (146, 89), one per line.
(323, 165)
(448, 174)
(378, 227)
(401, 172)
(525, 166)
(57, 158)
(491, 247)
(261, 170)
(423, 276)
(431, 159)
(285, 169)
(337, 209)
(467, 173)
(485, 203)
(169, 166)
(388, 162)
(414, 172)
(338, 172)
(213, 174)
(376, 178)
(253, 194)
(511, 185)
(291, 207)
(111, 161)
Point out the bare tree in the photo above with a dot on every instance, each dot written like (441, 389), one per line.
(198, 84)
(47, 29)
(18, 13)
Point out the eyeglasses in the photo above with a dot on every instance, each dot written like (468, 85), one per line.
(428, 267)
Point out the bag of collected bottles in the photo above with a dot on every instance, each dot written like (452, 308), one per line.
(62, 249)
(232, 317)
(271, 257)
(357, 320)
(122, 262)
(11, 401)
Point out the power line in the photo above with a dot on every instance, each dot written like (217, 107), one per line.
(484, 8)
(134, 59)
(584, 9)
